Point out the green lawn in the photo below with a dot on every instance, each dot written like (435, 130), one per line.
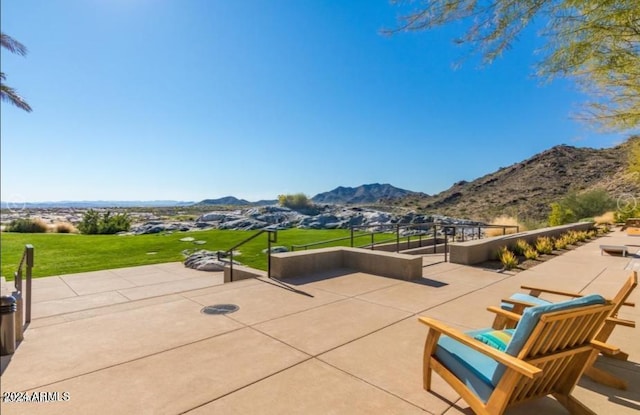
(57, 254)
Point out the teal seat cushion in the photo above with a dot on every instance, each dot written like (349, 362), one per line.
(471, 367)
(526, 298)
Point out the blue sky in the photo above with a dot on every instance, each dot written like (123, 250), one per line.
(195, 99)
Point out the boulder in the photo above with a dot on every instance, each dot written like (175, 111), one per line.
(205, 261)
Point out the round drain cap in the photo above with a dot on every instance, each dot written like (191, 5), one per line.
(220, 309)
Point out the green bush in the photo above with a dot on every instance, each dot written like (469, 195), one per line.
(295, 201)
(576, 206)
(105, 224)
(27, 225)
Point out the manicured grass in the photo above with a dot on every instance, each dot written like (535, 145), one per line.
(57, 254)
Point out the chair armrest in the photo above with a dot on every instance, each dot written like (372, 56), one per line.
(511, 362)
(622, 322)
(605, 347)
(519, 304)
(535, 291)
(509, 315)
(505, 319)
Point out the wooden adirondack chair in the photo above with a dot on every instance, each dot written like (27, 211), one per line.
(547, 353)
(518, 302)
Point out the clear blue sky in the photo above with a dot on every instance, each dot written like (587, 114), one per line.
(194, 99)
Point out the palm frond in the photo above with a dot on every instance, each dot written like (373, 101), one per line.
(12, 45)
(10, 95)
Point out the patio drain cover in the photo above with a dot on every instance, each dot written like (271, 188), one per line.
(220, 309)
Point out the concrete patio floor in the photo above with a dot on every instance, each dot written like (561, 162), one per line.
(134, 340)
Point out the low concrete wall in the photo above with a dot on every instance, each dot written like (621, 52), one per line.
(480, 250)
(386, 264)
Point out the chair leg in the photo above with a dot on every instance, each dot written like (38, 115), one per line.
(429, 347)
(605, 378)
(572, 405)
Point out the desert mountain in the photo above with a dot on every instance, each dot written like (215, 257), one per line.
(227, 200)
(367, 193)
(526, 189)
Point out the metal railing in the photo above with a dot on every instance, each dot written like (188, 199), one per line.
(430, 230)
(23, 308)
(272, 237)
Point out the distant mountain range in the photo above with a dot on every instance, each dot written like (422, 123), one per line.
(85, 204)
(234, 201)
(526, 189)
(367, 193)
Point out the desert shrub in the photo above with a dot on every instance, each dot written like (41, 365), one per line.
(504, 220)
(561, 214)
(544, 245)
(521, 246)
(580, 236)
(531, 253)
(592, 233)
(295, 201)
(65, 227)
(27, 225)
(607, 217)
(507, 258)
(105, 224)
(576, 206)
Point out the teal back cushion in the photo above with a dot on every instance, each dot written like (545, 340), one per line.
(531, 316)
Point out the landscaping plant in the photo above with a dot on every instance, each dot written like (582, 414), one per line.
(27, 225)
(521, 246)
(531, 253)
(544, 245)
(507, 258)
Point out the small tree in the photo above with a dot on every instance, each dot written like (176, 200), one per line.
(560, 215)
(576, 206)
(107, 224)
(89, 224)
(295, 201)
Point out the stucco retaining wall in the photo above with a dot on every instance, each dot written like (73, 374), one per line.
(480, 250)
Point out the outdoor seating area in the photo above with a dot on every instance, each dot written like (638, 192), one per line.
(163, 339)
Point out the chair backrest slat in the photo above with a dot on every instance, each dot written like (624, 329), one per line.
(563, 329)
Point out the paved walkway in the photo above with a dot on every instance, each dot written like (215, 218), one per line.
(134, 341)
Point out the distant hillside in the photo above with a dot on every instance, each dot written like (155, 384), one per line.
(86, 204)
(526, 189)
(227, 200)
(368, 193)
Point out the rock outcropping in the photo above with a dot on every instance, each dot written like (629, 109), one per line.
(329, 217)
